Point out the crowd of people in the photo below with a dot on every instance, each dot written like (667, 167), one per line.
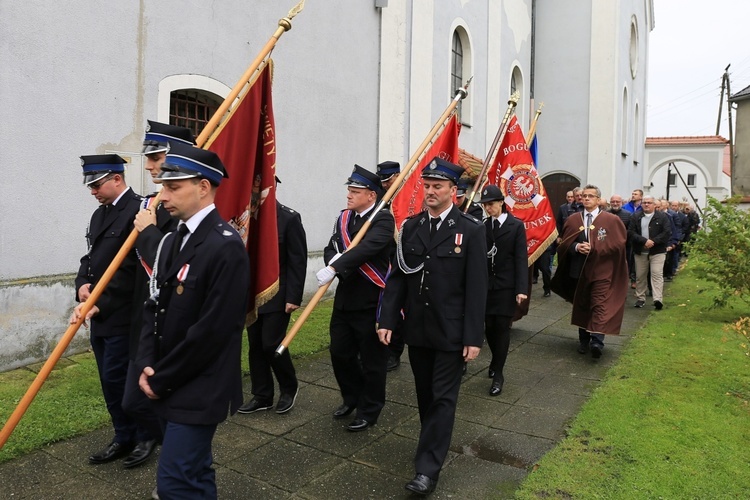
(166, 332)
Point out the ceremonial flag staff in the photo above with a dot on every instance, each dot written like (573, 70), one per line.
(512, 102)
(203, 140)
(461, 93)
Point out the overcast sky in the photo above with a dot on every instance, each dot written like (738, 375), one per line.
(691, 44)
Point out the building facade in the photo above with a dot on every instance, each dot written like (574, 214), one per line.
(354, 82)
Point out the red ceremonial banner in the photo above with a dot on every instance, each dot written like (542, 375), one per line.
(514, 172)
(247, 199)
(408, 201)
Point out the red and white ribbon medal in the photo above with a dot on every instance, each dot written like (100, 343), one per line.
(181, 276)
(459, 240)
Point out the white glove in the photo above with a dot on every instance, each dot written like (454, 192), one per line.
(325, 275)
(334, 259)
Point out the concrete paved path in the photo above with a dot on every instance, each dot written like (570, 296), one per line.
(306, 454)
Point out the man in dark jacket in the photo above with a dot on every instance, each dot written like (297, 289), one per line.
(190, 347)
(358, 358)
(649, 231)
(110, 226)
(439, 280)
(268, 330)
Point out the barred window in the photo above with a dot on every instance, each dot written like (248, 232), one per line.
(192, 108)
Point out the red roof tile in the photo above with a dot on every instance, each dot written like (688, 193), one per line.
(682, 140)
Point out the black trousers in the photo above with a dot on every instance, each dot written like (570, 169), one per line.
(396, 346)
(264, 337)
(139, 407)
(497, 331)
(544, 264)
(437, 376)
(112, 357)
(359, 361)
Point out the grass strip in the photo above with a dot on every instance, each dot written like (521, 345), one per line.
(670, 420)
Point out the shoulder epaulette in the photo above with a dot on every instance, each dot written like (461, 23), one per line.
(287, 209)
(471, 218)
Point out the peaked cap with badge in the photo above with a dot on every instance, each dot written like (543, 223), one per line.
(160, 135)
(96, 167)
(187, 162)
(364, 179)
(388, 169)
(442, 170)
(491, 193)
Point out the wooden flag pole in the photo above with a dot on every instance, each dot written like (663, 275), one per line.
(532, 129)
(512, 102)
(405, 173)
(285, 24)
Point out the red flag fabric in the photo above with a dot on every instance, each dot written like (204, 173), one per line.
(247, 199)
(409, 199)
(514, 172)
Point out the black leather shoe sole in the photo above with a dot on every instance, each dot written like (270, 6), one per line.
(343, 411)
(596, 352)
(140, 454)
(112, 452)
(253, 406)
(421, 485)
(359, 425)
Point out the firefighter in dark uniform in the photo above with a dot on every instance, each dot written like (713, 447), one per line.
(388, 171)
(110, 226)
(190, 347)
(463, 187)
(267, 332)
(361, 272)
(440, 281)
(152, 222)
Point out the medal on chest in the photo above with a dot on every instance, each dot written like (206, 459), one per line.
(181, 276)
(459, 239)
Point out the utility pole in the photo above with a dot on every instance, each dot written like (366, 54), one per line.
(724, 79)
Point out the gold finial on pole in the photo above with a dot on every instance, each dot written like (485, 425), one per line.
(512, 103)
(532, 128)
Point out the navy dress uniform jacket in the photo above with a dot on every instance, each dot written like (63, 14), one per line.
(292, 260)
(146, 246)
(193, 339)
(354, 291)
(444, 303)
(508, 271)
(106, 235)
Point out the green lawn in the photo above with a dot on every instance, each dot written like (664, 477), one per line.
(70, 402)
(672, 418)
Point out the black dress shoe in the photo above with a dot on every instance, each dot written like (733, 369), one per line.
(113, 451)
(286, 402)
(393, 363)
(254, 405)
(496, 389)
(491, 373)
(547, 293)
(343, 411)
(140, 453)
(421, 485)
(596, 351)
(582, 348)
(359, 424)
(658, 305)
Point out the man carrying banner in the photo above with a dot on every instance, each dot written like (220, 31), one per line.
(152, 222)
(361, 272)
(592, 272)
(110, 318)
(189, 351)
(267, 332)
(440, 281)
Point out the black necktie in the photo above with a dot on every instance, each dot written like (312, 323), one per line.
(182, 230)
(434, 221)
(589, 220)
(495, 224)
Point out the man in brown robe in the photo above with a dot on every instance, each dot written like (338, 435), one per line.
(592, 272)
